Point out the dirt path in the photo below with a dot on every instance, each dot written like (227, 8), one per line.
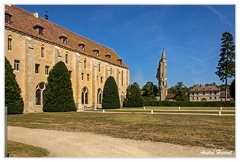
(72, 144)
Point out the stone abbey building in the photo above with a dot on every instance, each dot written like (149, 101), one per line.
(33, 45)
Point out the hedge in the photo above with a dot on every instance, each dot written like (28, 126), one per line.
(190, 104)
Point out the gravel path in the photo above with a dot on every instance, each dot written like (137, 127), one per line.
(72, 144)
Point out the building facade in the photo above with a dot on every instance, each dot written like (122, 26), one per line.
(33, 45)
(162, 77)
(204, 93)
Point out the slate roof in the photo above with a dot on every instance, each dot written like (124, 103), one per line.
(26, 22)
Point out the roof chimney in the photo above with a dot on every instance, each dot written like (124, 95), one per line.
(35, 14)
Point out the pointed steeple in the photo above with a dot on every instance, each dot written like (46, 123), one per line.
(163, 54)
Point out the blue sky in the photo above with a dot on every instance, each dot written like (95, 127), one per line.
(190, 34)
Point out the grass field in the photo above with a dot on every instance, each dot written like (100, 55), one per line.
(198, 130)
(16, 149)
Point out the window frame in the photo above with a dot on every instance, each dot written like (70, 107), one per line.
(16, 65)
(37, 68)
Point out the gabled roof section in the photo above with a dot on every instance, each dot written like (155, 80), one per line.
(24, 22)
(204, 89)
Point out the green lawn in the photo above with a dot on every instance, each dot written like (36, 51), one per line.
(194, 130)
(16, 149)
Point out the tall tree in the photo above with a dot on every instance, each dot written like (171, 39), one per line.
(13, 99)
(232, 89)
(58, 92)
(133, 96)
(149, 90)
(110, 95)
(226, 63)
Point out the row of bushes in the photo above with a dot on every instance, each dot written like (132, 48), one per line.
(190, 104)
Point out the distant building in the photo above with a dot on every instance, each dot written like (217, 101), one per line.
(204, 93)
(222, 96)
(162, 77)
(170, 97)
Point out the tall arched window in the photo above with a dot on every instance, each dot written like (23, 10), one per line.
(10, 43)
(84, 95)
(40, 93)
(99, 96)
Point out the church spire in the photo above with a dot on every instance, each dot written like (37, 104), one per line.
(163, 54)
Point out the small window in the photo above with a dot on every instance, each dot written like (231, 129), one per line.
(111, 71)
(42, 51)
(66, 58)
(47, 70)
(192, 93)
(85, 64)
(38, 28)
(193, 98)
(16, 65)
(87, 77)
(210, 93)
(9, 43)
(101, 79)
(96, 51)
(63, 39)
(8, 18)
(99, 67)
(120, 61)
(37, 66)
(108, 56)
(203, 93)
(82, 76)
(70, 73)
(82, 46)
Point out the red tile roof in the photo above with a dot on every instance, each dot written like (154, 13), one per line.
(25, 22)
(204, 88)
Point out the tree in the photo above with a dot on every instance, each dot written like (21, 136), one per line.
(149, 90)
(180, 90)
(133, 96)
(58, 92)
(226, 63)
(110, 95)
(232, 89)
(13, 99)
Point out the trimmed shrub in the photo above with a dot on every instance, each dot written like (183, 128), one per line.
(13, 99)
(58, 92)
(110, 98)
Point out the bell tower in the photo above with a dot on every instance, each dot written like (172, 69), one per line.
(162, 77)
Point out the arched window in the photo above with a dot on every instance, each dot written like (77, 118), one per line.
(99, 96)
(9, 43)
(40, 95)
(85, 64)
(84, 95)
(42, 51)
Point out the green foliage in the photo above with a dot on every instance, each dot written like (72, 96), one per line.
(232, 89)
(58, 92)
(110, 98)
(190, 104)
(226, 63)
(13, 99)
(181, 92)
(133, 96)
(149, 90)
